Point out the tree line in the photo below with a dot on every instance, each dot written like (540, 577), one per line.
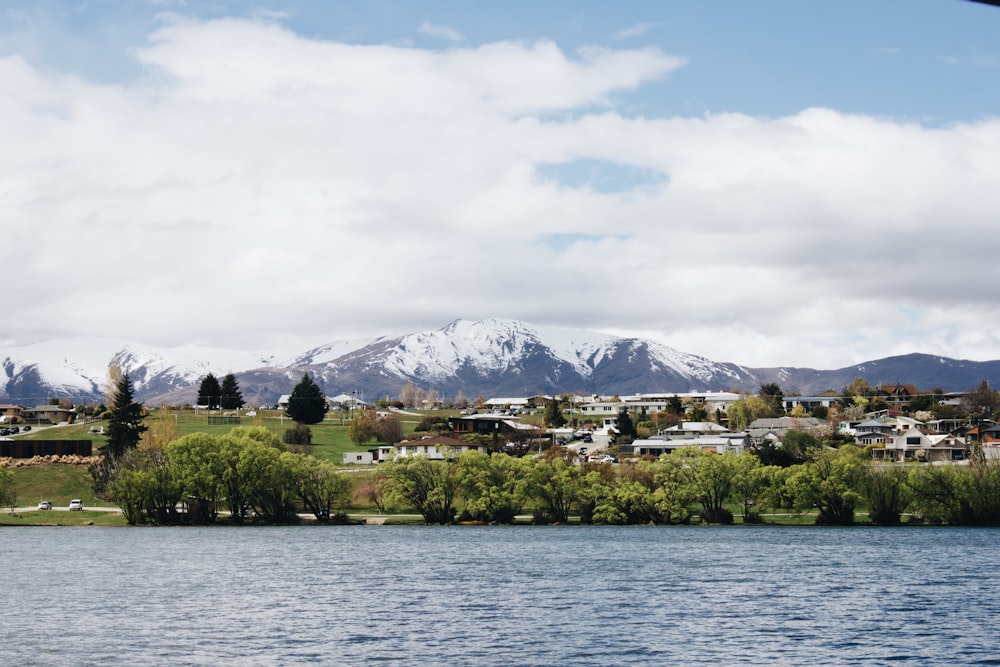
(247, 473)
(690, 483)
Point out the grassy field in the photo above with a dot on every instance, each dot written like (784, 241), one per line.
(330, 437)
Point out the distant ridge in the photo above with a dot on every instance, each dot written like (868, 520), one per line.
(490, 357)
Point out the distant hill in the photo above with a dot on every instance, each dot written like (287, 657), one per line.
(494, 357)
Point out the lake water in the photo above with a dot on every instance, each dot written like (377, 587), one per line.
(499, 596)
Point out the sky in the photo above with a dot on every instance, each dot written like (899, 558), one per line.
(789, 183)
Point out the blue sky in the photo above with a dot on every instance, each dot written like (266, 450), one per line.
(805, 183)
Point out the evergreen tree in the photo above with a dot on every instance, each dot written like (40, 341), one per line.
(553, 415)
(626, 428)
(209, 392)
(307, 404)
(232, 397)
(771, 394)
(125, 426)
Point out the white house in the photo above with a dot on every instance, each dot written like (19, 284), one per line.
(914, 445)
(437, 448)
(358, 458)
(720, 444)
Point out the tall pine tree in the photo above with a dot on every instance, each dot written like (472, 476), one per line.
(209, 392)
(306, 404)
(232, 397)
(553, 415)
(125, 427)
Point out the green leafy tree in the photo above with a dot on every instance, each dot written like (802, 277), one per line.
(125, 427)
(306, 404)
(232, 397)
(751, 483)
(495, 487)
(427, 486)
(710, 479)
(209, 392)
(555, 484)
(144, 486)
(433, 424)
(745, 410)
(200, 472)
(322, 490)
(884, 490)
(643, 493)
(829, 483)
(553, 416)
(967, 496)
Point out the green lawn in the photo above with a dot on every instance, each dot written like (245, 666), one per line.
(330, 437)
(57, 518)
(56, 483)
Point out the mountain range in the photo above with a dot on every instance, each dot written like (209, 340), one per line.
(493, 357)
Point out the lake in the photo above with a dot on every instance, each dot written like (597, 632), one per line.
(356, 595)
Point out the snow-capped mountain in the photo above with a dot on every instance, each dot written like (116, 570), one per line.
(78, 368)
(492, 357)
(516, 358)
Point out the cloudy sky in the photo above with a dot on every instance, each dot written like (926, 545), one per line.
(800, 183)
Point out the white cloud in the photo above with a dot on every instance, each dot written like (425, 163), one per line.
(634, 30)
(256, 185)
(440, 31)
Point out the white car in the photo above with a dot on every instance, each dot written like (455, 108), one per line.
(45, 505)
(76, 504)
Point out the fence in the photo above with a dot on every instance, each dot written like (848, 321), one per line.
(26, 449)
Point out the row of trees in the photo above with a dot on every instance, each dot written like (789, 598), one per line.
(213, 395)
(673, 488)
(247, 472)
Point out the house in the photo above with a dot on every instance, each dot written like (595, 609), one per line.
(358, 458)
(345, 402)
(872, 433)
(986, 435)
(902, 424)
(340, 402)
(808, 403)
(502, 426)
(687, 430)
(653, 403)
(914, 445)
(717, 443)
(896, 394)
(11, 414)
(49, 413)
(437, 448)
(516, 402)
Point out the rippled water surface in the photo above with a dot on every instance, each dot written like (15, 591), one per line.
(499, 596)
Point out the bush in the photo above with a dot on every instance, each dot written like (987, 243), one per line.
(301, 435)
(720, 516)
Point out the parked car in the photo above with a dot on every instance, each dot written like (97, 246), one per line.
(27, 427)
(76, 504)
(45, 505)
